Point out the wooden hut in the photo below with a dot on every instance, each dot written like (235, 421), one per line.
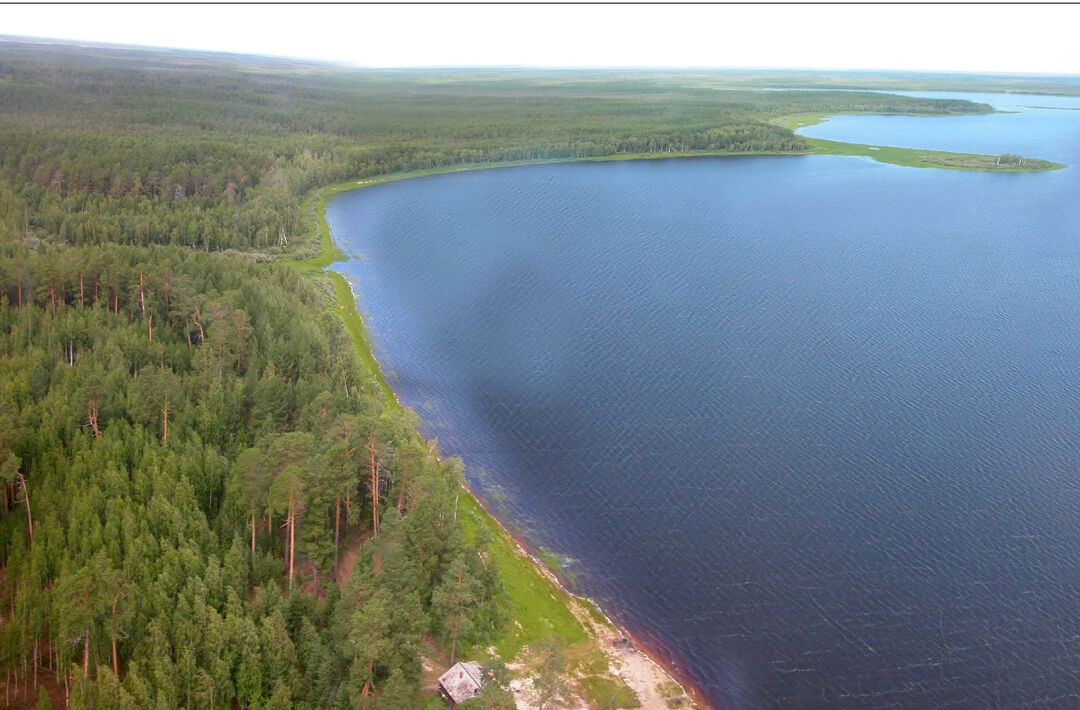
(461, 682)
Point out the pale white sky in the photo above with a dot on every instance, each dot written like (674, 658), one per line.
(986, 38)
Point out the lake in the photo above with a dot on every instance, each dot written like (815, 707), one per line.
(810, 423)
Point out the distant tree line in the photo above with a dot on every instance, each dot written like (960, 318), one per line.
(102, 146)
(1009, 159)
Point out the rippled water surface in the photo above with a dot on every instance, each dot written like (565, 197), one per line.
(812, 422)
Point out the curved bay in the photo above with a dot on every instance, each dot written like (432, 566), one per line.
(813, 422)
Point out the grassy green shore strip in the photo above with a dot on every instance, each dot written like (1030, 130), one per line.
(538, 606)
(914, 157)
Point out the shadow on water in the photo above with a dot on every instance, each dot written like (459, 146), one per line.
(812, 422)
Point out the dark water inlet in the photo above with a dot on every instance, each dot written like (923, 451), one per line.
(812, 421)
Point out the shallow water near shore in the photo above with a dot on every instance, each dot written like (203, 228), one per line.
(811, 422)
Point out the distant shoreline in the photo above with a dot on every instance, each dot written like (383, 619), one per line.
(893, 155)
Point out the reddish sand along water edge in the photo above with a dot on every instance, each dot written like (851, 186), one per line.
(653, 653)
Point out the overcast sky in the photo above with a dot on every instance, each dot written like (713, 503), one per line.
(973, 38)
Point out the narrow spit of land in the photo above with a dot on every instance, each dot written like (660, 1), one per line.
(917, 157)
(328, 252)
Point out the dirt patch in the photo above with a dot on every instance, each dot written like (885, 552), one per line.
(350, 551)
(435, 664)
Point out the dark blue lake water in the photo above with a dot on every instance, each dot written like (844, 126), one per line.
(812, 422)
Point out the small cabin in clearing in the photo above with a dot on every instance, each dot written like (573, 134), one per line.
(461, 682)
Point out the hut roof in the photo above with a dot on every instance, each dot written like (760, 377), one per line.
(462, 681)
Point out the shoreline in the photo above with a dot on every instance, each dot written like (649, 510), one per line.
(654, 651)
(892, 155)
(910, 157)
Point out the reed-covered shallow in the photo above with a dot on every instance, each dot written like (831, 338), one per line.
(811, 422)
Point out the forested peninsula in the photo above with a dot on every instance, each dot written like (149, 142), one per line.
(208, 497)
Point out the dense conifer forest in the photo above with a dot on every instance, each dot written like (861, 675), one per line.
(214, 152)
(204, 501)
(189, 458)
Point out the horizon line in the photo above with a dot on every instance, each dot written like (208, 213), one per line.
(64, 41)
